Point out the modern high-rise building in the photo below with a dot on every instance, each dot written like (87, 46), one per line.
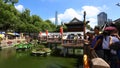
(102, 19)
(56, 18)
(109, 21)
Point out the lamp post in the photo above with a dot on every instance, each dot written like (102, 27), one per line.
(84, 24)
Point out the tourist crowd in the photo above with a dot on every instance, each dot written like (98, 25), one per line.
(106, 44)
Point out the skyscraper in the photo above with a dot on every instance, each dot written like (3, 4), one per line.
(56, 18)
(102, 19)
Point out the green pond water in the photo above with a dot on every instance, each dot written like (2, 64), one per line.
(9, 58)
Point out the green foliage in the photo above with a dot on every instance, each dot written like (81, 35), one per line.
(12, 19)
(51, 25)
(64, 28)
(88, 26)
(11, 1)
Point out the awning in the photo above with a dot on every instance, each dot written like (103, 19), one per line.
(10, 33)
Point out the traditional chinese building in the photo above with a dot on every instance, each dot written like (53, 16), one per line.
(75, 25)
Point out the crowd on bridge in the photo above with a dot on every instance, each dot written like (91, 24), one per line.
(106, 44)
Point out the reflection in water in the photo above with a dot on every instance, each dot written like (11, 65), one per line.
(22, 54)
(11, 52)
(9, 58)
(7, 53)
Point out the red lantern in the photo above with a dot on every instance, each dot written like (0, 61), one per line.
(61, 30)
(46, 32)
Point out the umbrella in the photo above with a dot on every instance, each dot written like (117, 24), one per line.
(10, 33)
(2, 35)
(16, 34)
(2, 32)
(110, 28)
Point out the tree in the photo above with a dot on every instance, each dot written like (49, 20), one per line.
(8, 17)
(52, 26)
(11, 1)
(36, 18)
(25, 16)
(11, 19)
(88, 26)
(6, 1)
(14, 1)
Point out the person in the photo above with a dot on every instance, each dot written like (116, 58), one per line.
(97, 42)
(105, 45)
(75, 38)
(90, 36)
(114, 37)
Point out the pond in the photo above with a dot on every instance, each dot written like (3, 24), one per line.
(9, 58)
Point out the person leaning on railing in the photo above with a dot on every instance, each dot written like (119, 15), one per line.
(97, 43)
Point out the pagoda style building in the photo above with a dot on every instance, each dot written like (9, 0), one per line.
(75, 25)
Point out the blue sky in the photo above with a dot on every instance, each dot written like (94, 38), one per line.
(68, 9)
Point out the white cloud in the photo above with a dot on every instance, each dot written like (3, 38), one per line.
(67, 16)
(19, 7)
(70, 13)
(93, 22)
(104, 8)
(91, 11)
(53, 20)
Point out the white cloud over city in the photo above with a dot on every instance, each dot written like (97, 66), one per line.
(70, 13)
(19, 7)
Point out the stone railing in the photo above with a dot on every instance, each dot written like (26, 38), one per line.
(9, 42)
(92, 59)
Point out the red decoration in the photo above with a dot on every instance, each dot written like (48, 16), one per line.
(61, 30)
(110, 28)
(46, 32)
